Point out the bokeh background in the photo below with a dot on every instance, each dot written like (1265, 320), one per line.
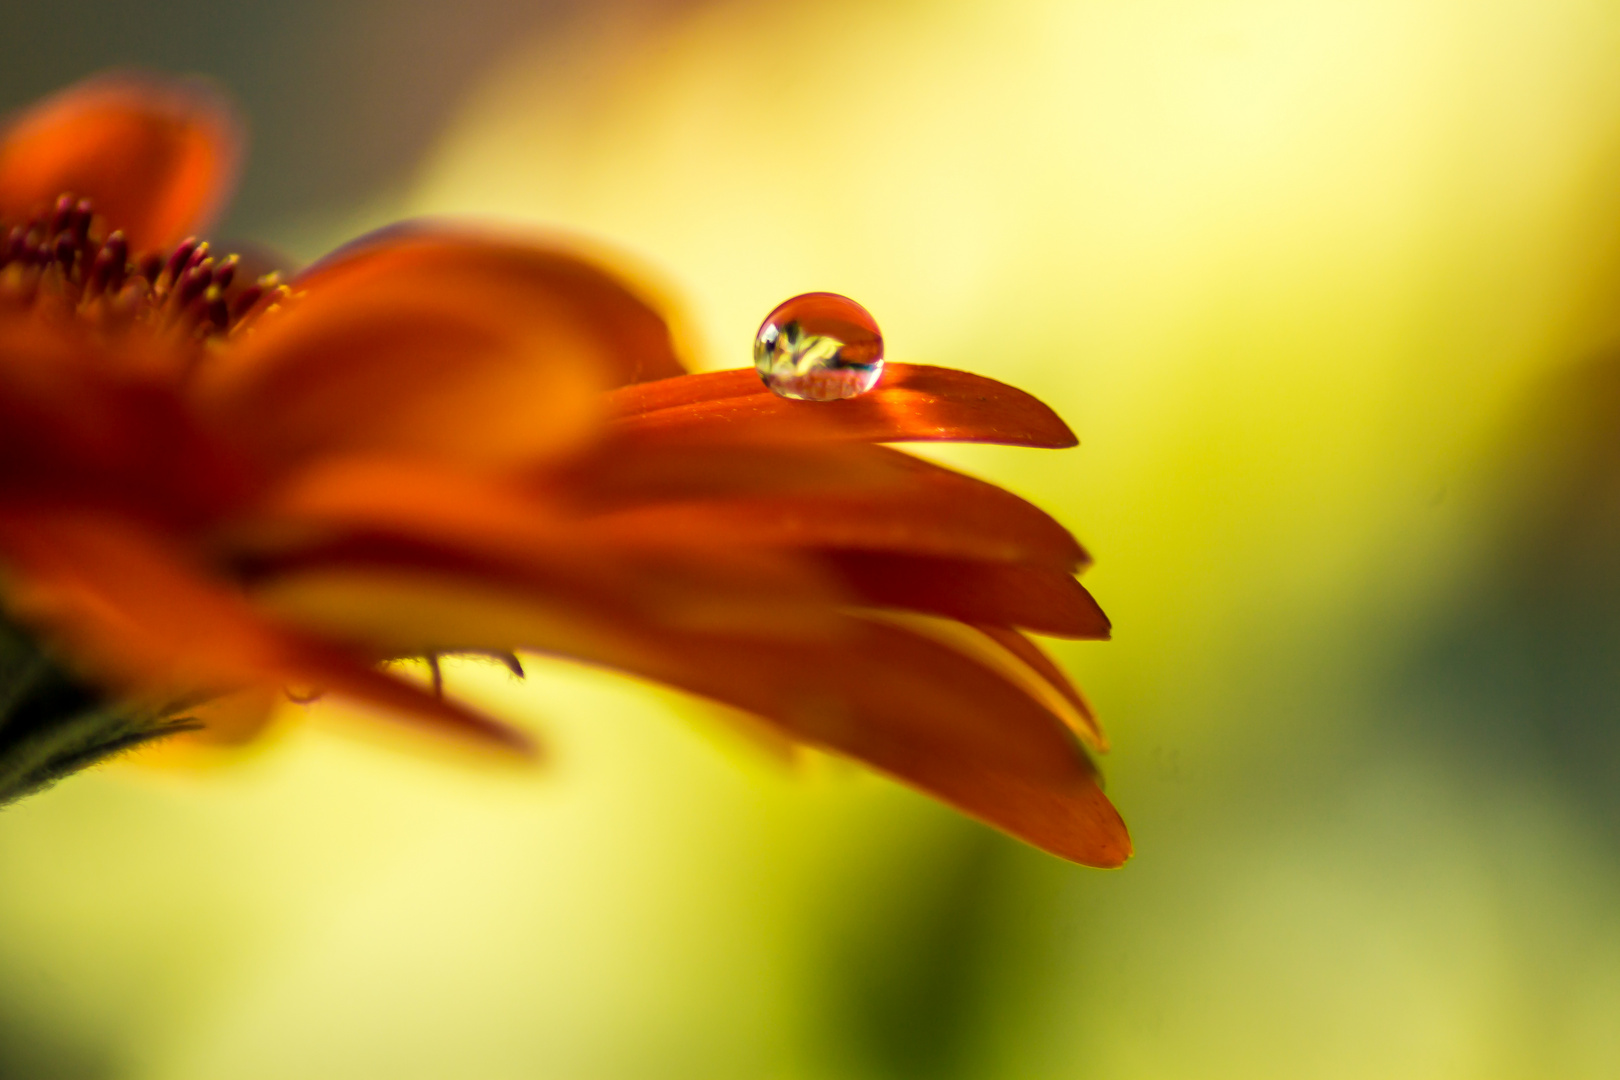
(1331, 291)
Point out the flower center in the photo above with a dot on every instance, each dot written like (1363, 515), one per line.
(65, 255)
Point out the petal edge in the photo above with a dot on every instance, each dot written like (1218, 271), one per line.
(157, 156)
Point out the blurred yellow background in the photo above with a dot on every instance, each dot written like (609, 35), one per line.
(1328, 290)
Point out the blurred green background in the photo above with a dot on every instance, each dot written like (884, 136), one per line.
(1328, 289)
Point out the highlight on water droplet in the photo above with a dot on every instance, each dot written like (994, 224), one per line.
(819, 346)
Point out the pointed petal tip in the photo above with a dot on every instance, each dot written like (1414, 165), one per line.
(1074, 821)
(1114, 859)
(1012, 416)
(1098, 836)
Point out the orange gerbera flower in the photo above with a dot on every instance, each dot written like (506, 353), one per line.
(437, 440)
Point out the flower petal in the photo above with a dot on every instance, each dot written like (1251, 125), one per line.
(931, 716)
(443, 348)
(1084, 718)
(1013, 657)
(76, 423)
(621, 474)
(931, 510)
(356, 513)
(634, 335)
(156, 156)
(817, 688)
(911, 706)
(1073, 821)
(911, 403)
(135, 613)
(438, 343)
(1033, 597)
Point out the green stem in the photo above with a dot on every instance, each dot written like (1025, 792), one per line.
(54, 723)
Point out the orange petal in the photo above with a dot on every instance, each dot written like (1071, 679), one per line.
(620, 473)
(1013, 657)
(1074, 821)
(909, 705)
(357, 513)
(1086, 725)
(157, 156)
(634, 336)
(1036, 598)
(911, 403)
(872, 680)
(928, 715)
(429, 346)
(76, 425)
(932, 511)
(124, 605)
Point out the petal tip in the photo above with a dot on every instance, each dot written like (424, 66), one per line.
(1083, 827)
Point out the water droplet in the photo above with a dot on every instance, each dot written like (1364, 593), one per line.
(819, 347)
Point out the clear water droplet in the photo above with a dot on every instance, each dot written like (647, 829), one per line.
(819, 347)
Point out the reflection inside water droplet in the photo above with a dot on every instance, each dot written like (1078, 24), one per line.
(819, 347)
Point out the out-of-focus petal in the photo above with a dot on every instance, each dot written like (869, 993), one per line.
(229, 725)
(871, 681)
(912, 403)
(932, 511)
(232, 720)
(133, 612)
(410, 609)
(359, 513)
(454, 348)
(77, 425)
(635, 337)
(157, 156)
(1036, 598)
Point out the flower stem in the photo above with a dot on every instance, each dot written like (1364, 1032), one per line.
(54, 723)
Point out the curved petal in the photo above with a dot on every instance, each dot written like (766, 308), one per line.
(156, 156)
(1033, 597)
(1073, 821)
(437, 346)
(930, 510)
(1085, 723)
(635, 337)
(931, 716)
(131, 610)
(620, 474)
(1013, 657)
(914, 707)
(379, 513)
(911, 403)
